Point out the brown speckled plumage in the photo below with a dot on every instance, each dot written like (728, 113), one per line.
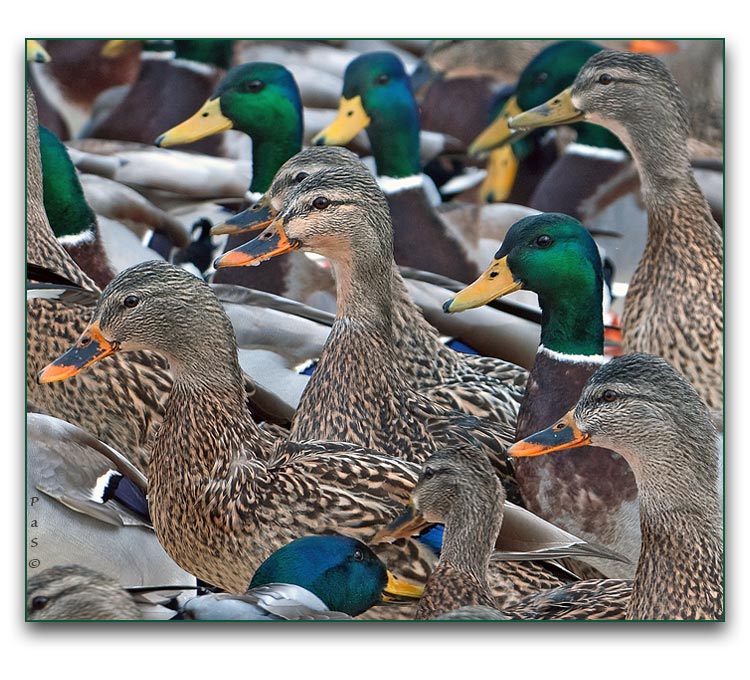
(673, 308)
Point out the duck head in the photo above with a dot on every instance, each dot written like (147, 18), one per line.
(260, 99)
(343, 572)
(553, 255)
(150, 306)
(377, 97)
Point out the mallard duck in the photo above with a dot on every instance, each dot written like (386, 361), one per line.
(175, 78)
(78, 594)
(313, 577)
(459, 489)
(673, 307)
(377, 97)
(468, 383)
(236, 471)
(593, 495)
(641, 407)
(358, 392)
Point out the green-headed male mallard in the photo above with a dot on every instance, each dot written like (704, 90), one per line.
(674, 303)
(311, 578)
(595, 494)
(641, 407)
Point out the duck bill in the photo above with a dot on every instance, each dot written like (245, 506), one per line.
(270, 243)
(90, 348)
(564, 434)
(208, 120)
(258, 216)
(35, 52)
(498, 133)
(350, 120)
(557, 111)
(496, 281)
(113, 49)
(408, 523)
(502, 168)
(397, 590)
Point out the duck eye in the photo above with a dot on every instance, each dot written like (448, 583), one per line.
(359, 556)
(609, 395)
(429, 473)
(300, 176)
(130, 301)
(254, 86)
(605, 79)
(541, 77)
(39, 602)
(382, 79)
(321, 203)
(543, 241)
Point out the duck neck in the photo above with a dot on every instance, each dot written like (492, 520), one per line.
(469, 539)
(394, 137)
(572, 319)
(679, 571)
(269, 154)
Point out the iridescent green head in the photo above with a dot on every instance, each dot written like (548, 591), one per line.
(343, 572)
(555, 256)
(377, 96)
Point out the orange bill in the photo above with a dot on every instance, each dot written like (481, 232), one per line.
(90, 348)
(564, 434)
(408, 523)
(257, 216)
(654, 46)
(272, 242)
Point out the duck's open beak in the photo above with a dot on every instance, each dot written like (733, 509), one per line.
(564, 434)
(271, 242)
(557, 111)
(349, 121)
(496, 281)
(498, 133)
(35, 52)
(397, 590)
(208, 120)
(90, 348)
(257, 216)
(408, 523)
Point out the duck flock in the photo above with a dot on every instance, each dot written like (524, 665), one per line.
(272, 371)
